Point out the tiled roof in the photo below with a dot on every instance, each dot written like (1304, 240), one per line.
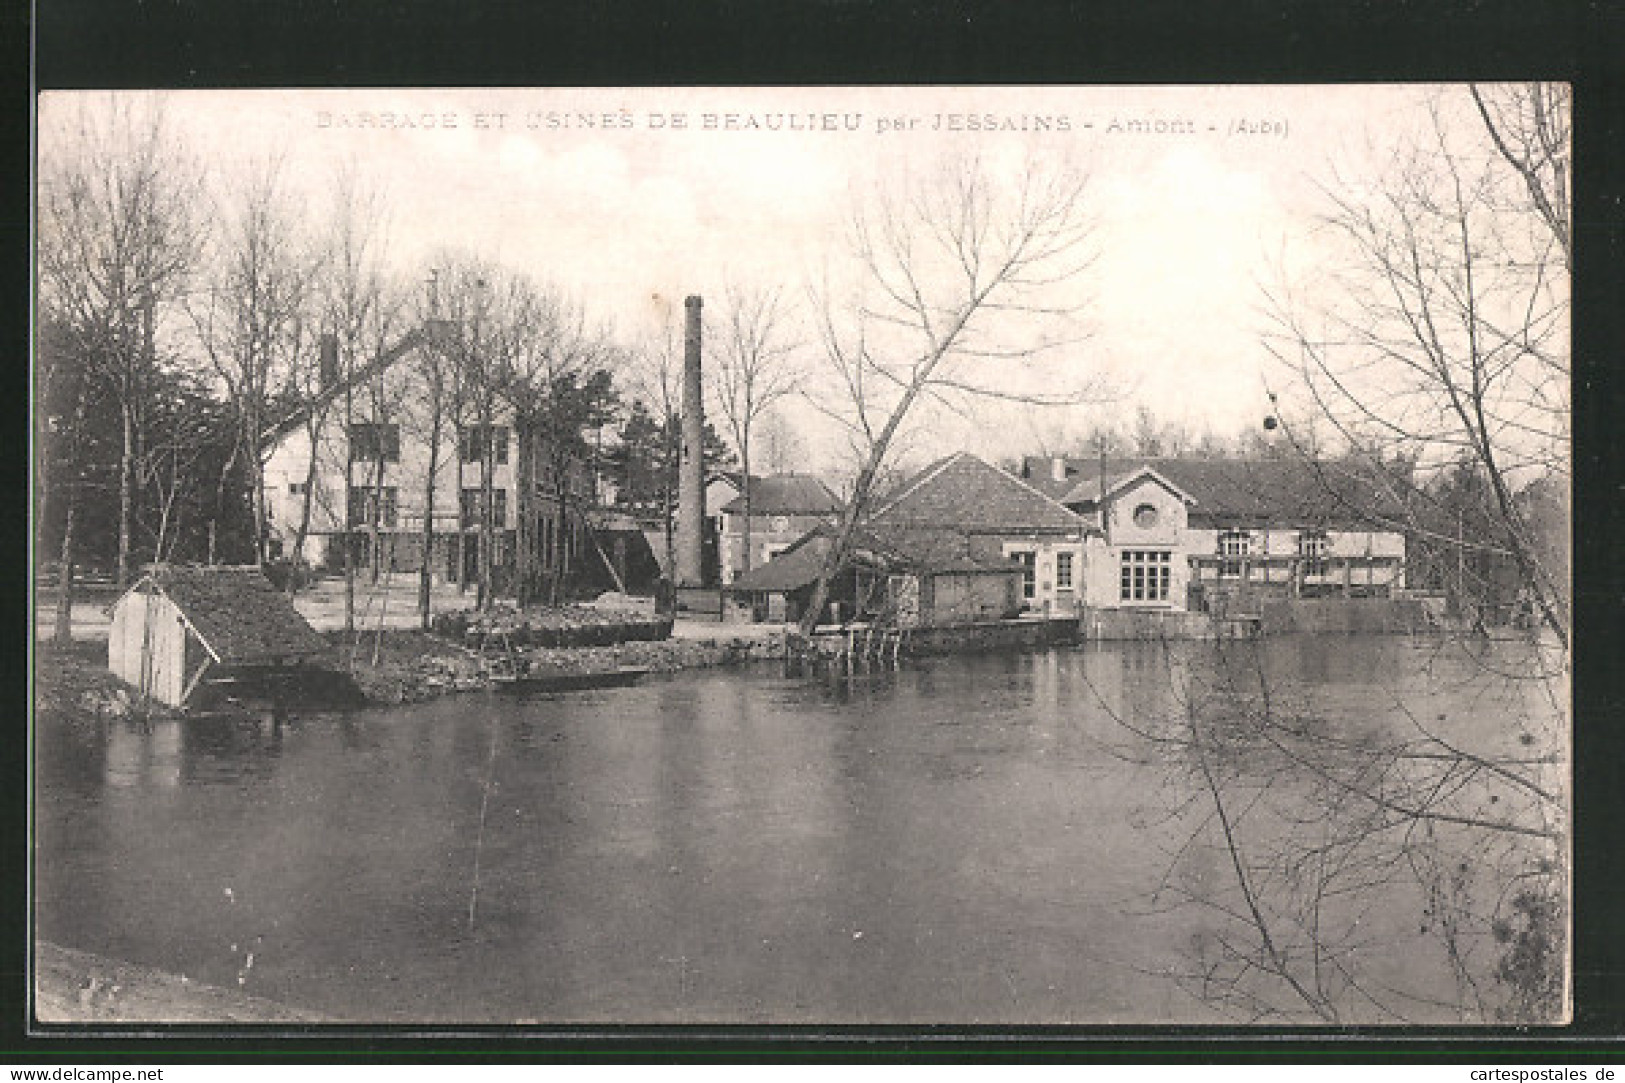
(792, 569)
(882, 547)
(965, 493)
(787, 494)
(239, 615)
(1274, 491)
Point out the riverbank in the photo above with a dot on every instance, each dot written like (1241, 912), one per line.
(398, 666)
(79, 987)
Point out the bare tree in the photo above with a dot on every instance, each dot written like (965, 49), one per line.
(655, 374)
(438, 380)
(965, 278)
(1439, 330)
(61, 404)
(782, 445)
(1430, 343)
(1529, 124)
(753, 368)
(359, 310)
(121, 225)
(489, 310)
(1311, 846)
(559, 386)
(252, 324)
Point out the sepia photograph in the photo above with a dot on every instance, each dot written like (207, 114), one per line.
(1066, 556)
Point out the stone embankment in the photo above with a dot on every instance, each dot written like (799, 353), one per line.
(404, 666)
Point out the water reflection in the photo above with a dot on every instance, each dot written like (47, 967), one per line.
(1001, 838)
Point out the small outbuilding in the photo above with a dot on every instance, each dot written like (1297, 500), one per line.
(179, 628)
(907, 578)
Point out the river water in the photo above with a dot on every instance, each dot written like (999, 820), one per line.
(1007, 838)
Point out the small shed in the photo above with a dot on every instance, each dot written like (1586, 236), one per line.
(178, 624)
(913, 578)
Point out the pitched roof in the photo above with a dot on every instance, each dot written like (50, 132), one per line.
(1273, 491)
(925, 549)
(240, 617)
(932, 551)
(963, 492)
(787, 494)
(1091, 489)
(792, 569)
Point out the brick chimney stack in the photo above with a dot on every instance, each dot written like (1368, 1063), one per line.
(691, 471)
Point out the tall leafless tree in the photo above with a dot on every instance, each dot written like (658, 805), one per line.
(965, 277)
(753, 367)
(558, 385)
(253, 322)
(438, 380)
(359, 307)
(122, 222)
(1438, 329)
(1432, 337)
(655, 376)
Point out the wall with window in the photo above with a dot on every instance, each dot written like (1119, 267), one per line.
(1141, 561)
(1288, 561)
(387, 476)
(770, 535)
(1051, 570)
(1151, 574)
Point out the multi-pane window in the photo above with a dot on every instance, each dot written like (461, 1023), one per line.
(1234, 545)
(1063, 571)
(472, 506)
(372, 442)
(1146, 575)
(370, 506)
(1029, 572)
(1312, 548)
(474, 440)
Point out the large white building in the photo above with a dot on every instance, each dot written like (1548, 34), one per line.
(1214, 534)
(357, 466)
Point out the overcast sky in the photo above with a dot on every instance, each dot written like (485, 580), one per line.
(1198, 191)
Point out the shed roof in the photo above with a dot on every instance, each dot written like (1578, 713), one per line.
(796, 567)
(240, 617)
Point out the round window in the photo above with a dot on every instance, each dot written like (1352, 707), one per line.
(1145, 516)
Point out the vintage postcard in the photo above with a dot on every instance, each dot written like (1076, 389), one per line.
(803, 556)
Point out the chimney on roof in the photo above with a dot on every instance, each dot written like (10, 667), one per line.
(1057, 469)
(691, 471)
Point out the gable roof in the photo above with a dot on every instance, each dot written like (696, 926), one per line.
(1283, 492)
(963, 492)
(1085, 491)
(786, 494)
(238, 615)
